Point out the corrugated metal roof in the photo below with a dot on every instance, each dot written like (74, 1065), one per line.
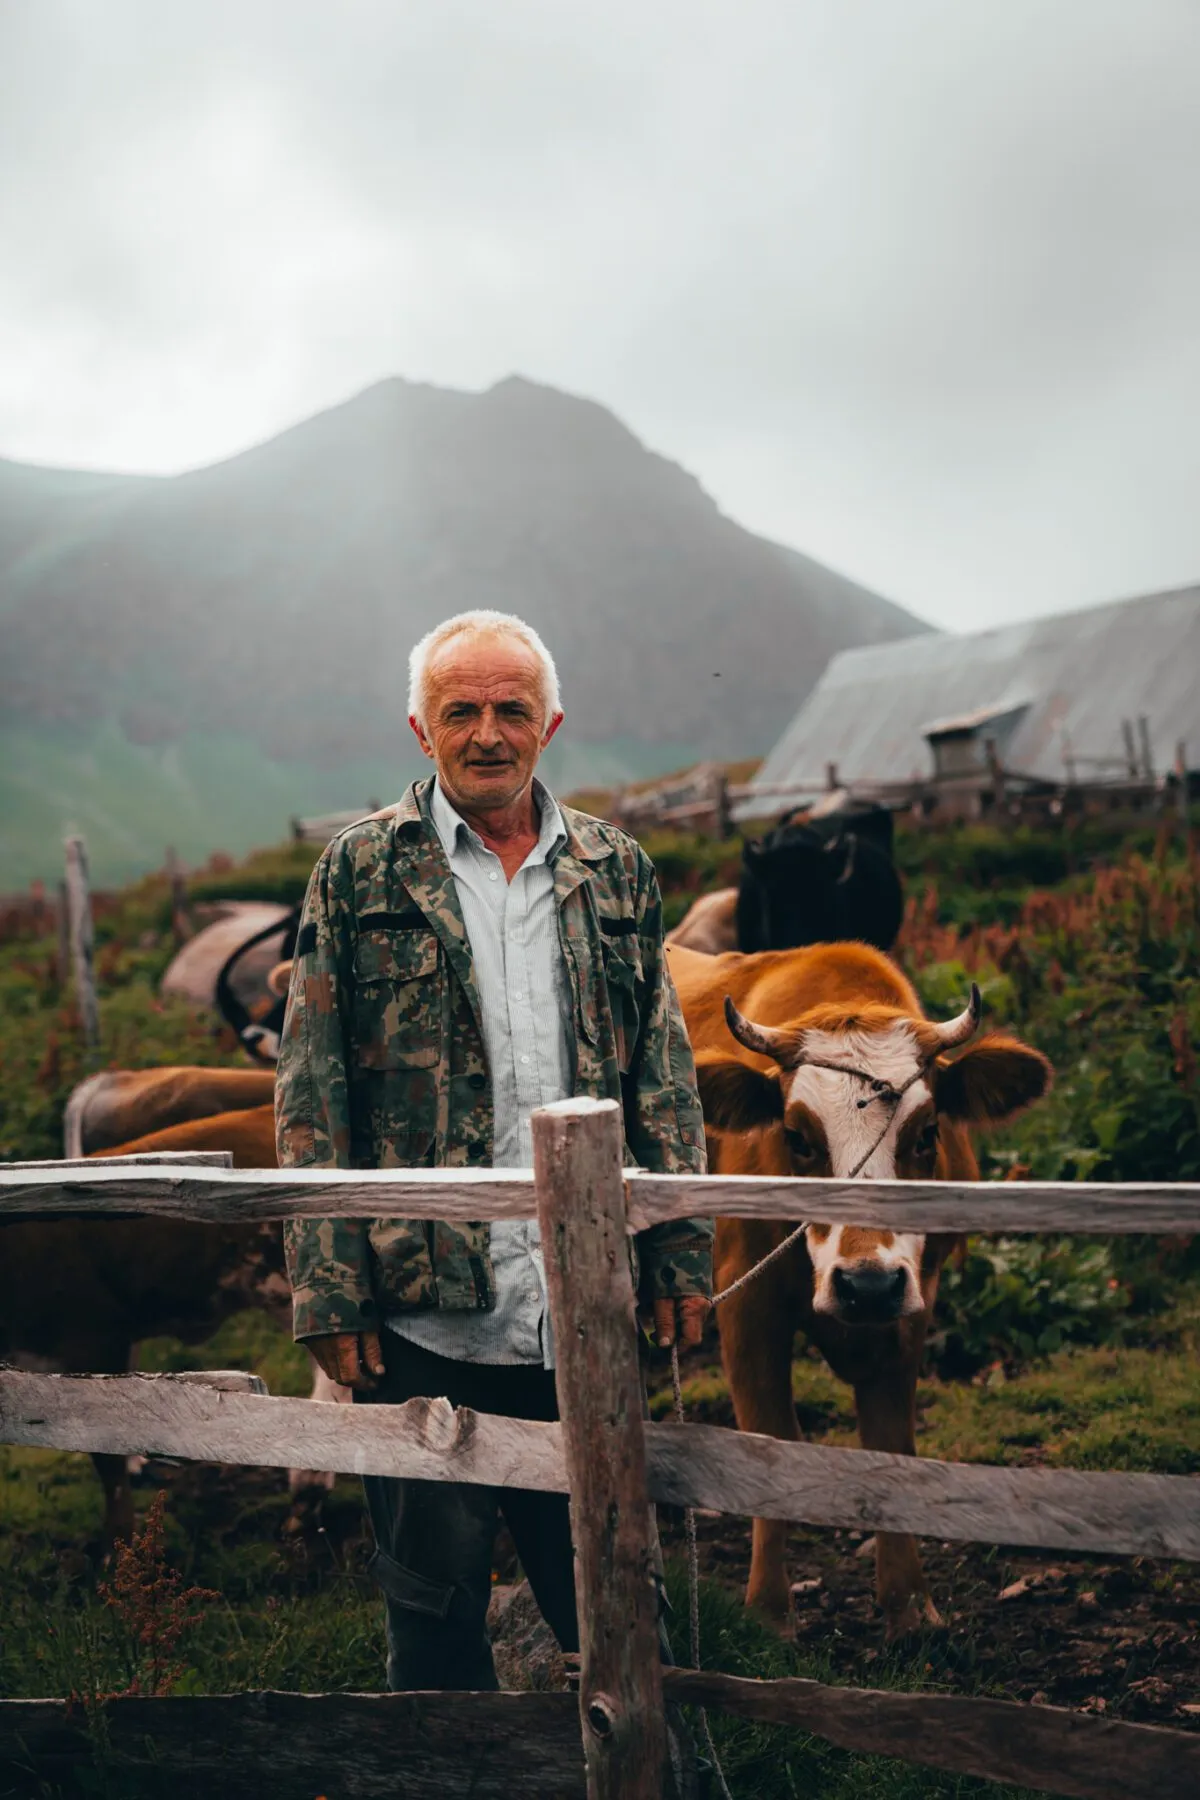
(1077, 674)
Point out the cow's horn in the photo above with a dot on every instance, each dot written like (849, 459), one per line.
(764, 1040)
(959, 1031)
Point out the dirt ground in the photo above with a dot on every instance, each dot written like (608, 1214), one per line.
(1112, 1635)
(1117, 1636)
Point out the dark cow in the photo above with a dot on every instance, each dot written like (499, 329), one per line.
(810, 880)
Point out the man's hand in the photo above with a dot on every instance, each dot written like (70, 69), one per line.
(355, 1358)
(683, 1319)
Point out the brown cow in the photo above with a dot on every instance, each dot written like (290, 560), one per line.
(835, 1069)
(109, 1109)
(80, 1293)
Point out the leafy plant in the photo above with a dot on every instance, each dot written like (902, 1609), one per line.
(1024, 1297)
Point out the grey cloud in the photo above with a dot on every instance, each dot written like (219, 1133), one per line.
(910, 286)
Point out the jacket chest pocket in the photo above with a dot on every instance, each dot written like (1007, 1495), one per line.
(623, 979)
(397, 999)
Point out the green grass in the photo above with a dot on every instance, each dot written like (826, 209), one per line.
(302, 1615)
(775, 1763)
(314, 1624)
(1098, 1407)
(1081, 1356)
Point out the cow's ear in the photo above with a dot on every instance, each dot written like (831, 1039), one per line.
(735, 1097)
(992, 1080)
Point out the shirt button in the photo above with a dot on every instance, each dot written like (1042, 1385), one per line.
(518, 994)
(524, 1059)
(493, 876)
(476, 1081)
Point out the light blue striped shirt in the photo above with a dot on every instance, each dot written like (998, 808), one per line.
(525, 1000)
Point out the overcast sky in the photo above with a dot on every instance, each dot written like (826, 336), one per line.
(913, 285)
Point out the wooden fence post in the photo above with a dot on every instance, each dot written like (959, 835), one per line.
(64, 936)
(1131, 755)
(79, 921)
(581, 1210)
(181, 928)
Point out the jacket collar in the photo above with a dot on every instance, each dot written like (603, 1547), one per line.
(423, 867)
(425, 871)
(585, 842)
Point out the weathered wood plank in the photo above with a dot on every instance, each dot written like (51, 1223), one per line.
(144, 1415)
(689, 1465)
(248, 1195)
(581, 1212)
(1101, 1208)
(225, 1381)
(1040, 1747)
(814, 1484)
(431, 1746)
(418, 1746)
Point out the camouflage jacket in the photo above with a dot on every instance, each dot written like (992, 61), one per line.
(381, 1063)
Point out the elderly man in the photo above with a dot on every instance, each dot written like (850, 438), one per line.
(465, 957)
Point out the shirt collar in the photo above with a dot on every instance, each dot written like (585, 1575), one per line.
(451, 827)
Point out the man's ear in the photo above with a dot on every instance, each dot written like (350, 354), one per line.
(992, 1080)
(419, 730)
(736, 1097)
(556, 720)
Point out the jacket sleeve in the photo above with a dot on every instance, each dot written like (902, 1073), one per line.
(328, 1260)
(664, 1123)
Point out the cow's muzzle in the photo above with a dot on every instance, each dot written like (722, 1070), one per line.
(865, 1294)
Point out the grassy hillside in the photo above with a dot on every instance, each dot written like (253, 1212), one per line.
(1059, 1352)
(133, 800)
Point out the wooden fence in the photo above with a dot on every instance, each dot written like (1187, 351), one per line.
(705, 801)
(608, 1741)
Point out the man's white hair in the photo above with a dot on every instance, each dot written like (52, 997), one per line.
(482, 622)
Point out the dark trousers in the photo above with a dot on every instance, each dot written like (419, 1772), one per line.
(434, 1542)
(434, 1539)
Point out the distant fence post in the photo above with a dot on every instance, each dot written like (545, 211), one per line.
(79, 925)
(181, 927)
(722, 814)
(64, 936)
(581, 1210)
(1131, 755)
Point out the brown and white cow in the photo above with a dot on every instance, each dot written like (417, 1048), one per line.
(819, 1061)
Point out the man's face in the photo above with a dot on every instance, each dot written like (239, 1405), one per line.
(485, 719)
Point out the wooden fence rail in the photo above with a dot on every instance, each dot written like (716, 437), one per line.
(612, 1465)
(227, 1420)
(435, 1746)
(243, 1196)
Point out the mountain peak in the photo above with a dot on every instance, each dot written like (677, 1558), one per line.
(272, 597)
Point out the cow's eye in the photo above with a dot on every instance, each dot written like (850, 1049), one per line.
(927, 1143)
(800, 1146)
